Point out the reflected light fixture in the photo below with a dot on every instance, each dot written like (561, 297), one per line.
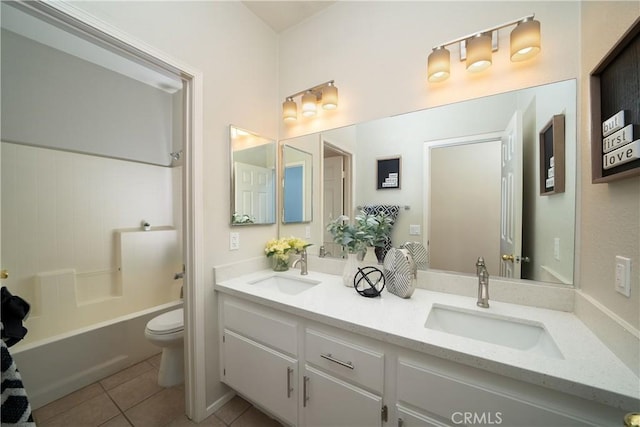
(326, 94)
(477, 48)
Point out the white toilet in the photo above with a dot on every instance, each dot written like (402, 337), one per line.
(167, 331)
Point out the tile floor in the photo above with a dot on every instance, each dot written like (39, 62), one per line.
(132, 397)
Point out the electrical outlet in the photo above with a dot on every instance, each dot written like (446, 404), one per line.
(414, 229)
(623, 275)
(234, 241)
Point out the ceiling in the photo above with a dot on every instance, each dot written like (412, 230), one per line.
(282, 15)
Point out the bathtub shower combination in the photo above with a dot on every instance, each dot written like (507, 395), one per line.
(83, 327)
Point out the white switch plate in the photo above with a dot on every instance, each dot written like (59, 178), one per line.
(307, 232)
(234, 241)
(623, 275)
(556, 248)
(414, 229)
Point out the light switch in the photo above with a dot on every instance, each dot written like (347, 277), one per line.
(234, 241)
(556, 248)
(414, 229)
(307, 232)
(623, 275)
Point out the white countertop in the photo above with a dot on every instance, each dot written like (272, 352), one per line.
(589, 369)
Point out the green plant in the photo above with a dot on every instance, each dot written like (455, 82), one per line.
(367, 230)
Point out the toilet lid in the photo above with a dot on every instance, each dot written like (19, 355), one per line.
(169, 322)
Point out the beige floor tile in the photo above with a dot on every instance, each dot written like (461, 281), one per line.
(136, 390)
(93, 412)
(232, 409)
(254, 418)
(183, 421)
(126, 375)
(67, 402)
(119, 421)
(155, 360)
(158, 410)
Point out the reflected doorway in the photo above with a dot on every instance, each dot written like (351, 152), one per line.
(336, 190)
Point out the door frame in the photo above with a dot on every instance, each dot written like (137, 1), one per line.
(192, 182)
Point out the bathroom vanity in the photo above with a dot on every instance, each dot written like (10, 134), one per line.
(311, 351)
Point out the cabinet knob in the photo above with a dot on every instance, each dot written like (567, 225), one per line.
(4, 274)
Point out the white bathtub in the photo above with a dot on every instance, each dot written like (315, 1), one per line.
(54, 367)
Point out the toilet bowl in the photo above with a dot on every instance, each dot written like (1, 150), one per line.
(167, 332)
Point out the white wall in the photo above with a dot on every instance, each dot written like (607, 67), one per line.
(237, 54)
(609, 213)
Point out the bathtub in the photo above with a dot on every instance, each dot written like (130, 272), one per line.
(54, 367)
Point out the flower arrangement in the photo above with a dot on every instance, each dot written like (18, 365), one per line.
(279, 249)
(237, 218)
(367, 230)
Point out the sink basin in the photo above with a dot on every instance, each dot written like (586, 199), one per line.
(514, 333)
(285, 284)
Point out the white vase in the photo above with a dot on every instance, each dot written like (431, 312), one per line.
(370, 257)
(350, 269)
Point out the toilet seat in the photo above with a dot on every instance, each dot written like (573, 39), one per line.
(167, 323)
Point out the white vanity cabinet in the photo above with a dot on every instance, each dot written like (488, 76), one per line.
(436, 392)
(259, 357)
(343, 381)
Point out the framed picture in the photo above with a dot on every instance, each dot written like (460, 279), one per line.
(389, 173)
(615, 111)
(552, 156)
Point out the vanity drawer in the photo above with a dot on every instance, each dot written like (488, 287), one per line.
(347, 360)
(262, 325)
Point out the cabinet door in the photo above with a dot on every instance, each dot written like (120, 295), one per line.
(328, 401)
(263, 375)
(410, 418)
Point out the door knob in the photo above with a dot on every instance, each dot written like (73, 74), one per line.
(4, 274)
(506, 257)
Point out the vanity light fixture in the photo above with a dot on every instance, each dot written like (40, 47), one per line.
(477, 48)
(326, 94)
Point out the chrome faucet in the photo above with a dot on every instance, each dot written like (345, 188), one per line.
(483, 284)
(303, 263)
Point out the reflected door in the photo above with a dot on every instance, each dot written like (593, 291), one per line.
(333, 197)
(254, 189)
(511, 199)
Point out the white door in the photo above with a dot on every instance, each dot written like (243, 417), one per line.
(333, 194)
(254, 185)
(511, 199)
(263, 375)
(328, 401)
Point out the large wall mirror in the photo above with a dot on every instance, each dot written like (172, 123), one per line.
(253, 177)
(451, 198)
(297, 185)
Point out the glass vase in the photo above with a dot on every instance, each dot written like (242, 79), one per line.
(350, 269)
(280, 262)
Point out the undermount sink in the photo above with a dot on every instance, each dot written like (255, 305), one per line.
(285, 284)
(510, 332)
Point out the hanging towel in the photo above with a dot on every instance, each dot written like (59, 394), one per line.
(392, 212)
(16, 409)
(13, 311)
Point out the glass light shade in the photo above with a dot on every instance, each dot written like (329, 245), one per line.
(438, 65)
(330, 97)
(479, 52)
(289, 110)
(525, 40)
(309, 104)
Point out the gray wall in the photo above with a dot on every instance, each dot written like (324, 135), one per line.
(53, 99)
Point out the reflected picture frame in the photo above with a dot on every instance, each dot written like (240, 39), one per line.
(388, 172)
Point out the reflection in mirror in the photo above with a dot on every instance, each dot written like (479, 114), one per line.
(297, 185)
(253, 167)
(545, 250)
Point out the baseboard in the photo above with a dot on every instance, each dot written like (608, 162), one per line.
(211, 409)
